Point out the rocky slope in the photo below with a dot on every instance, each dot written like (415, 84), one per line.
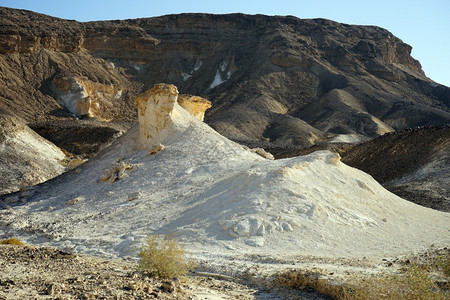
(273, 82)
(412, 163)
(277, 79)
(25, 157)
(172, 173)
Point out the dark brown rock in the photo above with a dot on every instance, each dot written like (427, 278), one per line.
(279, 83)
(266, 70)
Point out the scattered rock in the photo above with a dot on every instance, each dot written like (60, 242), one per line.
(53, 289)
(118, 172)
(48, 272)
(11, 199)
(168, 286)
(74, 201)
(155, 149)
(263, 153)
(134, 196)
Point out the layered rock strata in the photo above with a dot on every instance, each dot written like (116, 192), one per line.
(273, 81)
(155, 112)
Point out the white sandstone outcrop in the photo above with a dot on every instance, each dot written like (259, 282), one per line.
(73, 95)
(156, 110)
(221, 200)
(195, 105)
(26, 158)
(83, 97)
(155, 107)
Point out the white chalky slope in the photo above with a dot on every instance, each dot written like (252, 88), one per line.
(221, 199)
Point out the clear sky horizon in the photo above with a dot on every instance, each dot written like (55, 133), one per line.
(425, 25)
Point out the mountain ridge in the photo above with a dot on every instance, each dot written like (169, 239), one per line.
(204, 55)
(274, 82)
(219, 198)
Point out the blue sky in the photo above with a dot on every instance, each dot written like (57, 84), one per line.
(425, 25)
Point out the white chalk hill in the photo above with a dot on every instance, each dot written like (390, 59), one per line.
(26, 158)
(218, 198)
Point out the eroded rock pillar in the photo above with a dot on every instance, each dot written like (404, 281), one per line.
(154, 108)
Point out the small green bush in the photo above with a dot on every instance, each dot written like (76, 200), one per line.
(11, 241)
(164, 257)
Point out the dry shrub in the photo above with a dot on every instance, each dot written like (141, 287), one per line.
(298, 279)
(164, 257)
(415, 282)
(11, 241)
(443, 263)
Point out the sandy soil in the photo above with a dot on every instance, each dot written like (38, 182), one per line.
(47, 273)
(30, 272)
(238, 214)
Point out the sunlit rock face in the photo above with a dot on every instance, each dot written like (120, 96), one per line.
(195, 105)
(154, 108)
(26, 158)
(246, 65)
(156, 112)
(83, 97)
(73, 95)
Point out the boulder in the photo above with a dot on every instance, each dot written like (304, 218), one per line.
(195, 105)
(154, 108)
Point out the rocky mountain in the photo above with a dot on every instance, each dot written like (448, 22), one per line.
(273, 81)
(412, 163)
(278, 79)
(230, 206)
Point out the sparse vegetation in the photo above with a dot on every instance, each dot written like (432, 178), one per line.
(164, 257)
(11, 241)
(417, 279)
(414, 283)
(305, 280)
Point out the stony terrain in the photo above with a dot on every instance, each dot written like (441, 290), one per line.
(284, 84)
(273, 81)
(237, 212)
(413, 163)
(48, 273)
(29, 272)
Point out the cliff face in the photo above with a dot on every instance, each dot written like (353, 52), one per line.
(271, 80)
